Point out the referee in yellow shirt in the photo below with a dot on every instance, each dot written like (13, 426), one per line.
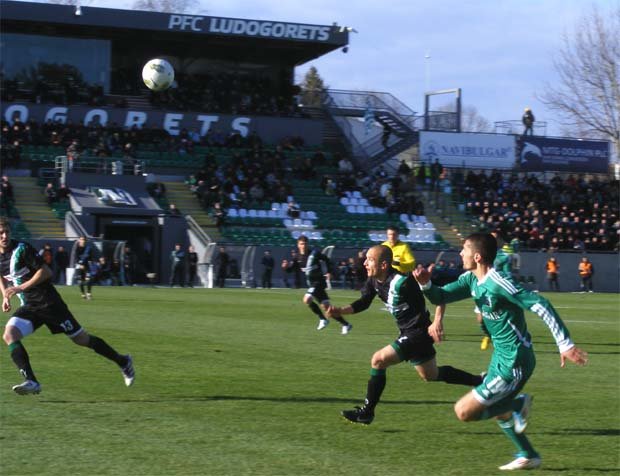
(403, 259)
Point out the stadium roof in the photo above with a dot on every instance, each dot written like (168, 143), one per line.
(293, 43)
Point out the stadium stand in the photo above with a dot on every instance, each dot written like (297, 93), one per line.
(567, 213)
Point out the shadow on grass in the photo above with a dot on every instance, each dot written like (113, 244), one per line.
(249, 398)
(564, 432)
(582, 470)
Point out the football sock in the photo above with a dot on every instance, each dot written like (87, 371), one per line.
(449, 374)
(314, 307)
(484, 329)
(21, 360)
(341, 321)
(376, 384)
(82, 290)
(102, 348)
(520, 441)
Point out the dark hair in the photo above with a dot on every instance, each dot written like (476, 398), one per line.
(5, 223)
(485, 245)
(393, 228)
(303, 238)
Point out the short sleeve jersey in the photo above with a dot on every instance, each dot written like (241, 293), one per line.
(402, 297)
(18, 264)
(501, 302)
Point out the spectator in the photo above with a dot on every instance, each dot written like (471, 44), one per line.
(192, 266)
(61, 262)
(293, 210)
(268, 265)
(528, 122)
(6, 187)
(177, 263)
(128, 266)
(345, 166)
(50, 194)
(222, 262)
(385, 135)
(436, 172)
(104, 272)
(219, 215)
(173, 210)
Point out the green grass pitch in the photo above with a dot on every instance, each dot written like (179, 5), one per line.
(239, 382)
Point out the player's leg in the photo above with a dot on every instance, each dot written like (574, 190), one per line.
(320, 294)
(82, 283)
(381, 360)
(309, 300)
(60, 320)
(15, 330)
(102, 348)
(498, 397)
(430, 372)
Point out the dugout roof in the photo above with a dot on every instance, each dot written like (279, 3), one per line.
(203, 35)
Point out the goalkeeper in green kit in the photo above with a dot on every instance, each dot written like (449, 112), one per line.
(501, 302)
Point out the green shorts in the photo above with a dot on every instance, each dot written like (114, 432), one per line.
(505, 379)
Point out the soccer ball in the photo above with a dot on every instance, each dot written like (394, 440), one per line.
(158, 74)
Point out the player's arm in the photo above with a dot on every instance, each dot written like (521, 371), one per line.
(6, 302)
(451, 292)
(539, 305)
(328, 266)
(363, 303)
(40, 276)
(435, 330)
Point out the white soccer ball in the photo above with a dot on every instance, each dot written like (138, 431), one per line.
(158, 74)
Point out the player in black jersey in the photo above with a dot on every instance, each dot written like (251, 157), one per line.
(406, 304)
(23, 273)
(317, 267)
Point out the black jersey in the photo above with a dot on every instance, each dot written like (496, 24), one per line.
(18, 264)
(316, 265)
(402, 297)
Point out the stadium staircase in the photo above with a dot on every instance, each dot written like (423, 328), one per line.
(35, 213)
(383, 108)
(451, 223)
(187, 203)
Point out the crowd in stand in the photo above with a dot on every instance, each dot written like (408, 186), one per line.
(252, 176)
(225, 92)
(229, 93)
(52, 84)
(569, 213)
(396, 194)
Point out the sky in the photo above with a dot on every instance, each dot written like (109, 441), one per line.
(499, 52)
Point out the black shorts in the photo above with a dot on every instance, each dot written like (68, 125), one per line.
(416, 347)
(317, 290)
(56, 317)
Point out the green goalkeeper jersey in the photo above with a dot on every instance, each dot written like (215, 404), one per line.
(501, 302)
